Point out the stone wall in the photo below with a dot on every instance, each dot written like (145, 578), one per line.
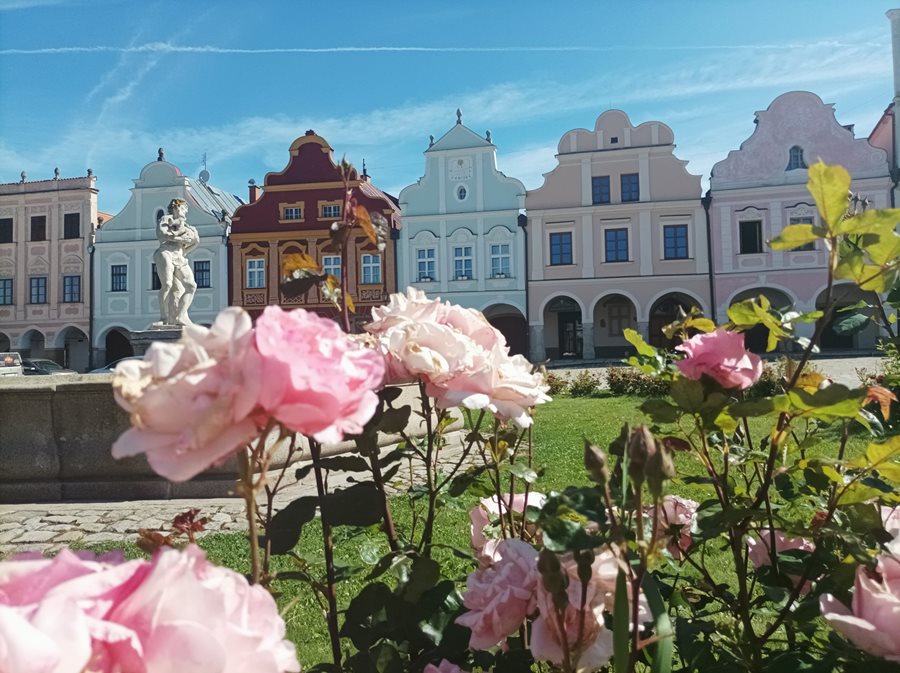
(55, 438)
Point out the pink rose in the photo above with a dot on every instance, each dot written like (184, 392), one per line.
(873, 625)
(318, 381)
(595, 647)
(175, 612)
(191, 402)
(489, 510)
(460, 357)
(498, 598)
(720, 355)
(758, 546)
(676, 517)
(443, 667)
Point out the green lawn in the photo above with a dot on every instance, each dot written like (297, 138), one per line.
(560, 429)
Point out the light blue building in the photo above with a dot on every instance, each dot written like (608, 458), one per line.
(460, 237)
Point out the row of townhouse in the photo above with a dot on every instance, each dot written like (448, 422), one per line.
(618, 236)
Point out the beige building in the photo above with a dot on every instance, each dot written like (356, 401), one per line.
(617, 239)
(45, 292)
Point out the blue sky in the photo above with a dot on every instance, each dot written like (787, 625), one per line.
(103, 83)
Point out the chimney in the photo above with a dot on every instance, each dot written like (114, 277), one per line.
(254, 190)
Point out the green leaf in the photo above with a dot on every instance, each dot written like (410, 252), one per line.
(662, 657)
(463, 481)
(829, 186)
(636, 340)
(878, 453)
(522, 471)
(660, 410)
(424, 574)
(688, 394)
(795, 235)
(621, 622)
(386, 658)
(287, 524)
(852, 324)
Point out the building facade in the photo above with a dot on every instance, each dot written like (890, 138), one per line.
(292, 213)
(760, 188)
(617, 240)
(126, 287)
(461, 238)
(45, 285)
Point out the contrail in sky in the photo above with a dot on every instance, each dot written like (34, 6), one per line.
(167, 48)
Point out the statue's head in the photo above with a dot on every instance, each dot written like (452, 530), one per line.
(177, 204)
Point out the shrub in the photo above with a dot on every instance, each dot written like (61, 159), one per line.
(770, 382)
(558, 384)
(584, 384)
(631, 381)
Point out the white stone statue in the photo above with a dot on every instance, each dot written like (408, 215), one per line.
(176, 278)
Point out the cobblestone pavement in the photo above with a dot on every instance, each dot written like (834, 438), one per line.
(48, 527)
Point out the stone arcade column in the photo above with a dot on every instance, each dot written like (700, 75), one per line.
(536, 343)
(587, 341)
(643, 328)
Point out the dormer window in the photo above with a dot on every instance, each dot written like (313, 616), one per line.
(796, 159)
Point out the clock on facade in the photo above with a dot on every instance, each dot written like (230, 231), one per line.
(460, 168)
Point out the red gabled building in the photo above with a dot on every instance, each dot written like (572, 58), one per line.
(292, 212)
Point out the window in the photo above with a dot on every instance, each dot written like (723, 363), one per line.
(256, 273)
(500, 260)
(202, 273)
(616, 245)
(331, 264)
(600, 189)
(38, 294)
(751, 237)
(39, 228)
(155, 283)
(462, 193)
(6, 297)
(293, 213)
(614, 140)
(371, 269)
(561, 248)
(675, 241)
(806, 247)
(118, 278)
(619, 314)
(332, 210)
(425, 265)
(795, 159)
(462, 262)
(631, 190)
(6, 234)
(72, 225)
(71, 289)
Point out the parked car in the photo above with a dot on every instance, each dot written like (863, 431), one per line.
(112, 365)
(10, 364)
(43, 367)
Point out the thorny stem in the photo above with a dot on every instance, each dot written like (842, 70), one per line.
(328, 543)
(527, 484)
(428, 528)
(271, 492)
(248, 491)
(377, 477)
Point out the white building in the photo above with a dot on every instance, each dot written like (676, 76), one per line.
(126, 288)
(460, 238)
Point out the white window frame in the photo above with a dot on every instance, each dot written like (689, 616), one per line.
(460, 255)
(256, 268)
(633, 251)
(428, 261)
(662, 241)
(499, 256)
(370, 264)
(293, 213)
(331, 264)
(331, 210)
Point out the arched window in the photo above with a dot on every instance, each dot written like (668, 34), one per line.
(796, 159)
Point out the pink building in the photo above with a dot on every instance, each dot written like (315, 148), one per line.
(760, 188)
(45, 291)
(617, 239)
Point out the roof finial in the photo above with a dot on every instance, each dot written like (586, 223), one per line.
(90, 172)
(487, 136)
(56, 173)
(458, 116)
(364, 173)
(160, 155)
(430, 141)
(24, 176)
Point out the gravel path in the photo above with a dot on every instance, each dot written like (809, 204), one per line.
(48, 527)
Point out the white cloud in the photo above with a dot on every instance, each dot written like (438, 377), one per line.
(8, 5)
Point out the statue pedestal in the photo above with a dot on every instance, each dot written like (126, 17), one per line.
(141, 340)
